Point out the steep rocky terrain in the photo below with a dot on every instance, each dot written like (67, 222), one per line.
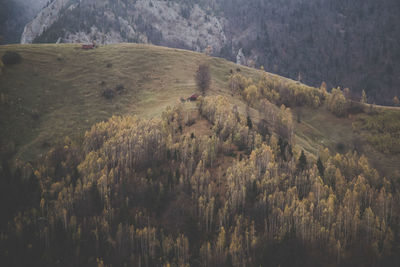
(103, 21)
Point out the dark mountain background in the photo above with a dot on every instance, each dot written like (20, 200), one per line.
(14, 15)
(354, 44)
(345, 43)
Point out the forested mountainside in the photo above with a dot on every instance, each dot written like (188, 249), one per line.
(352, 44)
(14, 15)
(121, 170)
(154, 192)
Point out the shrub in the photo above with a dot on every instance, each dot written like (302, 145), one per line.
(119, 87)
(108, 93)
(35, 114)
(11, 58)
(190, 121)
(238, 82)
(355, 108)
(340, 147)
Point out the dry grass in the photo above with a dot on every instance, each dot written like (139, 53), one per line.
(319, 129)
(56, 92)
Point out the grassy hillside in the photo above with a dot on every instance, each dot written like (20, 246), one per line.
(56, 91)
(223, 181)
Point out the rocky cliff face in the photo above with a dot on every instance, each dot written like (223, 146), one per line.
(42, 21)
(158, 22)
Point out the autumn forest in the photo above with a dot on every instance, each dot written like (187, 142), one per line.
(204, 184)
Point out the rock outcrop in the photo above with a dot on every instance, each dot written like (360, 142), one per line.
(42, 21)
(158, 22)
(240, 58)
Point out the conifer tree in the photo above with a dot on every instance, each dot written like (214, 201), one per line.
(320, 167)
(302, 164)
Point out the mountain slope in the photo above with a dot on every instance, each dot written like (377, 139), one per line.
(235, 178)
(57, 91)
(348, 44)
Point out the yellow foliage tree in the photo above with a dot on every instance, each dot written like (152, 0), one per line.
(337, 102)
(251, 94)
(363, 97)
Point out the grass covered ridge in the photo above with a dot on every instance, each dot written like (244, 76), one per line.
(258, 168)
(57, 91)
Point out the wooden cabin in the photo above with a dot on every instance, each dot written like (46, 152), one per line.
(87, 46)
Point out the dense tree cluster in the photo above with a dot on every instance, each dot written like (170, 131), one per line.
(268, 87)
(147, 192)
(277, 91)
(337, 102)
(381, 130)
(11, 58)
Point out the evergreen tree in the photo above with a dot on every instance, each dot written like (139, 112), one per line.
(320, 166)
(249, 122)
(302, 165)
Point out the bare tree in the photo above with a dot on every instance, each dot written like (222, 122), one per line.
(203, 78)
